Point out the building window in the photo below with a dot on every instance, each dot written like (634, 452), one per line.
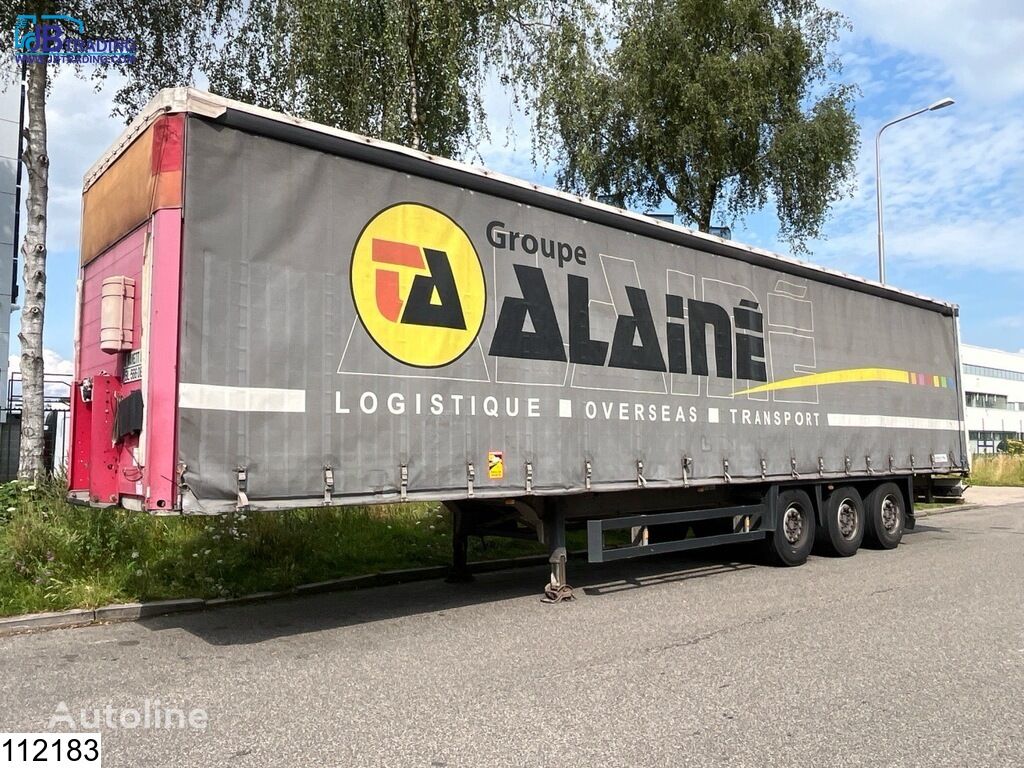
(985, 441)
(995, 373)
(984, 400)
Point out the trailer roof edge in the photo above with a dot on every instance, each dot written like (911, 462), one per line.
(168, 101)
(335, 141)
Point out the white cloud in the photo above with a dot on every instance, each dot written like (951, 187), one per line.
(58, 370)
(979, 42)
(947, 192)
(946, 187)
(53, 363)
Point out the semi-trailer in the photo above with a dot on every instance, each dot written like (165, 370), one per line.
(276, 314)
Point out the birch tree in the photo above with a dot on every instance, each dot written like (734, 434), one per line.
(413, 72)
(33, 272)
(170, 37)
(717, 106)
(36, 159)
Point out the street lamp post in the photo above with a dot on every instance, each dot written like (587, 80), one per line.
(940, 104)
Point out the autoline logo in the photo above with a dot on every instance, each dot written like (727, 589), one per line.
(53, 37)
(153, 714)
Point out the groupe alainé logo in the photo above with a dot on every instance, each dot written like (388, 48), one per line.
(418, 285)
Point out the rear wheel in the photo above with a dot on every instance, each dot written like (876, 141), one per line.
(791, 541)
(886, 514)
(843, 530)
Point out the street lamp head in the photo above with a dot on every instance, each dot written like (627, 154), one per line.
(941, 104)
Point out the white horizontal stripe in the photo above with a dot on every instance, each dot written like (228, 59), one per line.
(891, 422)
(213, 397)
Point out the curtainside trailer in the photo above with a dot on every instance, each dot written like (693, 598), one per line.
(276, 314)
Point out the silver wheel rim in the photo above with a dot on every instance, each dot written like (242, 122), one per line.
(890, 514)
(793, 523)
(848, 519)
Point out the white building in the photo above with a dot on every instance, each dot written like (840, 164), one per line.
(994, 389)
(10, 110)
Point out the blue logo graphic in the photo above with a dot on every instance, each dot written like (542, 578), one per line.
(57, 36)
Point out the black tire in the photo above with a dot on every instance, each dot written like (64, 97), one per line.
(886, 516)
(791, 541)
(844, 522)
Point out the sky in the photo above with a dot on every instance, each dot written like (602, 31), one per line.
(953, 179)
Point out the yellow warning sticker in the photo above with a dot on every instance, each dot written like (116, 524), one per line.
(495, 465)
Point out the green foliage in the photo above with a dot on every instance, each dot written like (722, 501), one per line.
(395, 69)
(10, 495)
(54, 555)
(998, 469)
(407, 71)
(1015, 447)
(175, 39)
(715, 105)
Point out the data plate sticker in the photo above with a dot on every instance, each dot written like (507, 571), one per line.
(132, 367)
(50, 750)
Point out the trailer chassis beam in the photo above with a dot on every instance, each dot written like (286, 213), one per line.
(596, 552)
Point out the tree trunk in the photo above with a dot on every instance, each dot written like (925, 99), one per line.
(33, 256)
(706, 208)
(412, 41)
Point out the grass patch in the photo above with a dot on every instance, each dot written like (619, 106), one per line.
(997, 469)
(54, 555)
(925, 506)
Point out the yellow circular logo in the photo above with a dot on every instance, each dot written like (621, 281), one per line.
(418, 285)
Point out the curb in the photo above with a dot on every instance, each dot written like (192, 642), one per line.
(32, 622)
(255, 597)
(109, 614)
(134, 611)
(945, 510)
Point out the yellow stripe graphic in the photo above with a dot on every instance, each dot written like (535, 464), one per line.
(845, 376)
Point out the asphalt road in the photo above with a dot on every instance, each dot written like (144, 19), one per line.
(913, 657)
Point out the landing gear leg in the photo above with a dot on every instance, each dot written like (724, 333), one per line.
(459, 572)
(557, 589)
